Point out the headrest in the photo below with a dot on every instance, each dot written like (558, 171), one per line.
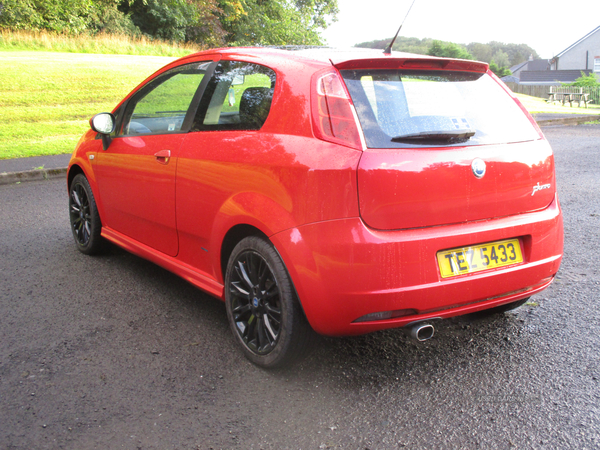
(255, 105)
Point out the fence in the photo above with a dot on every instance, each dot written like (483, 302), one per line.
(541, 91)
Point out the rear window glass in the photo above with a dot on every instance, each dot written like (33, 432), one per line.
(400, 109)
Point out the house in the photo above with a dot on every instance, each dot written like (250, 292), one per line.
(530, 65)
(581, 57)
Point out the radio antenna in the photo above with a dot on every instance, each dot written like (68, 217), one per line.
(388, 50)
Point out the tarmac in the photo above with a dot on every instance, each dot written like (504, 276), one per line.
(55, 166)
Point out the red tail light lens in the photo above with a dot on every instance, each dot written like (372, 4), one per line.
(334, 119)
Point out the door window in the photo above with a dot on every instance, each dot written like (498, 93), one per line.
(162, 106)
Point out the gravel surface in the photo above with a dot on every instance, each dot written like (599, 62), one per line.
(113, 352)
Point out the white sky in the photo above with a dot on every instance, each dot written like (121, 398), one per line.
(542, 25)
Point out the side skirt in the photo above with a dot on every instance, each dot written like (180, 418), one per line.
(185, 271)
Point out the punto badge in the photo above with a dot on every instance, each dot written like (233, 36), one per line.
(478, 168)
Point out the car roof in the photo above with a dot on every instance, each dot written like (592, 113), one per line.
(351, 57)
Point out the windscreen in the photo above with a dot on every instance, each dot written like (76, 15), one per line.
(399, 109)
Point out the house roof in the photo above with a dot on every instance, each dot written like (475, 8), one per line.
(537, 64)
(519, 66)
(551, 76)
(510, 79)
(574, 44)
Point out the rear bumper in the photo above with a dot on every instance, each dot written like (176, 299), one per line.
(343, 270)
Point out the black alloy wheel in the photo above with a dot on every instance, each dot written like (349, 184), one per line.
(84, 217)
(262, 308)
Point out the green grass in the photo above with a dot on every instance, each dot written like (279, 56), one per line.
(99, 44)
(47, 98)
(539, 105)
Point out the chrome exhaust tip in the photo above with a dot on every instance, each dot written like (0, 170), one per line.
(422, 331)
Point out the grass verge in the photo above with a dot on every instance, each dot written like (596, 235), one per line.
(112, 44)
(539, 105)
(47, 98)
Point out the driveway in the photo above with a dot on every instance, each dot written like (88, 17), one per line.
(113, 352)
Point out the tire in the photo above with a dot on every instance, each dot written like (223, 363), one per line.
(264, 314)
(84, 217)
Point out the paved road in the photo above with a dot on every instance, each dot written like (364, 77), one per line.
(113, 352)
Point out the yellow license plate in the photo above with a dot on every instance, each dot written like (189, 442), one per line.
(459, 261)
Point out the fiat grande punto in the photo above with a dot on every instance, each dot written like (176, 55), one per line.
(315, 190)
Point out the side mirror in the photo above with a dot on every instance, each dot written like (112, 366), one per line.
(103, 123)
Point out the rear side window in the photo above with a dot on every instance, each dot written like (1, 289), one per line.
(400, 109)
(238, 97)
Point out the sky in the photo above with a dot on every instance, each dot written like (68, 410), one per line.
(533, 22)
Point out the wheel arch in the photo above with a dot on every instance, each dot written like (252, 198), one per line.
(74, 170)
(241, 231)
(77, 168)
(233, 237)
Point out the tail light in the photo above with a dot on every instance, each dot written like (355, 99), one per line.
(333, 115)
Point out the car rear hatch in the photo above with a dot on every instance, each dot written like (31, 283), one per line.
(446, 143)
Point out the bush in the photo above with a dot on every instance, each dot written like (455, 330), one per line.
(61, 16)
(584, 80)
(176, 20)
(499, 71)
(108, 19)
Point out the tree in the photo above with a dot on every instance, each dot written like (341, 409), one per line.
(177, 20)
(207, 22)
(63, 16)
(517, 53)
(448, 50)
(107, 18)
(481, 52)
(498, 51)
(501, 58)
(276, 22)
(499, 71)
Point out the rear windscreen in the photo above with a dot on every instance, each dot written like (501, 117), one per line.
(399, 109)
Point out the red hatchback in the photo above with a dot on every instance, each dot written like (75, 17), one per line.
(340, 192)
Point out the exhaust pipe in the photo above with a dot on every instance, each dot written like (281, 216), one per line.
(422, 331)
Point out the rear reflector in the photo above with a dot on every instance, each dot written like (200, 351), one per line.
(385, 315)
(333, 116)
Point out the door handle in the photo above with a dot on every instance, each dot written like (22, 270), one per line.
(163, 156)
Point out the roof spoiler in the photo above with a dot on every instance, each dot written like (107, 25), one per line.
(424, 63)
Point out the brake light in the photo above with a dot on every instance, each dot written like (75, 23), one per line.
(334, 118)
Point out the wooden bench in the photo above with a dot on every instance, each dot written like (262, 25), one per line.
(570, 94)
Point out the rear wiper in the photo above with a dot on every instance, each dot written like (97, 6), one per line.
(452, 136)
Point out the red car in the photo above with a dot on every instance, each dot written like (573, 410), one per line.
(340, 192)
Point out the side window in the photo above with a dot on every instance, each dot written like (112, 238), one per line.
(161, 106)
(238, 97)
